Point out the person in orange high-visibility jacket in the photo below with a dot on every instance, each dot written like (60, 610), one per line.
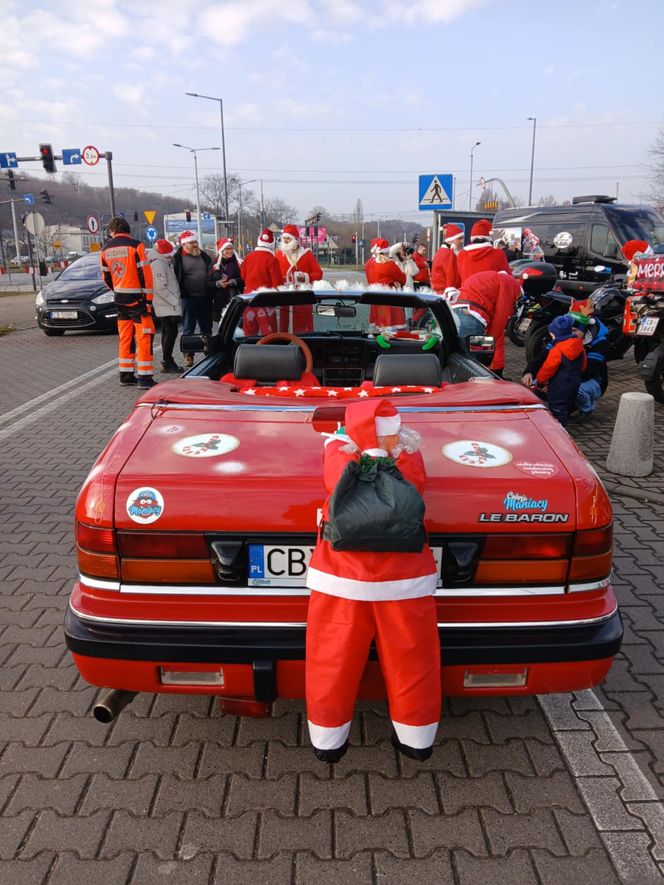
(362, 596)
(126, 270)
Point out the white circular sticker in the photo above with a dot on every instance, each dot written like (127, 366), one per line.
(474, 453)
(206, 445)
(563, 240)
(145, 505)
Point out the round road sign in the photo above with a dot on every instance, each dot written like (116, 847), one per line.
(92, 224)
(151, 233)
(34, 222)
(90, 155)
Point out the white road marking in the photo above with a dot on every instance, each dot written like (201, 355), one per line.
(616, 792)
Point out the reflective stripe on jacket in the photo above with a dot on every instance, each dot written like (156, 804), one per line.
(126, 270)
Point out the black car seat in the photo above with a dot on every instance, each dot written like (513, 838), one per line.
(267, 363)
(421, 369)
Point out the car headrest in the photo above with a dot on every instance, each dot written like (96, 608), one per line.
(268, 362)
(423, 369)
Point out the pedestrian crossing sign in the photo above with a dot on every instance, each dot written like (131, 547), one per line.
(436, 191)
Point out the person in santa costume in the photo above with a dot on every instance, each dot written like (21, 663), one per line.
(360, 597)
(423, 278)
(297, 265)
(260, 270)
(480, 254)
(444, 271)
(381, 270)
(485, 303)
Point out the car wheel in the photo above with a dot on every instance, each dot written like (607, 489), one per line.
(537, 337)
(53, 333)
(514, 331)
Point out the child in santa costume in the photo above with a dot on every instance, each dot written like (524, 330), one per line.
(360, 597)
(480, 254)
(297, 265)
(260, 270)
(381, 270)
(444, 271)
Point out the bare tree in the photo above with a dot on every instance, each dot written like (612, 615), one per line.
(549, 200)
(656, 166)
(278, 211)
(74, 181)
(358, 214)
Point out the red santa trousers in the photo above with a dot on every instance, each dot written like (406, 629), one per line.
(339, 633)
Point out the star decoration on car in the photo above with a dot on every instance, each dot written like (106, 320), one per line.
(396, 390)
(363, 393)
(250, 392)
(332, 393)
(300, 392)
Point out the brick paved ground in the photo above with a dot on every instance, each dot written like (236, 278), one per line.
(172, 792)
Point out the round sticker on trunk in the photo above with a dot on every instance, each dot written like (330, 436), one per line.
(475, 453)
(540, 469)
(145, 505)
(205, 445)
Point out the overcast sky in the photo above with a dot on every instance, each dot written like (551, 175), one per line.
(331, 100)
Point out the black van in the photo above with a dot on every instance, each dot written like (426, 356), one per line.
(580, 238)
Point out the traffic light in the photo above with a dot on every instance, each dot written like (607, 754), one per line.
(10, 178)
(318, 215)
(187, 215)
(48, 161)
(46, 197)
(353, 239)
(135, 216)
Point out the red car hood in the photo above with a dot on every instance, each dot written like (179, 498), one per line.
(256, 467)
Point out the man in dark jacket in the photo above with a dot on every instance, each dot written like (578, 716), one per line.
(192, 270)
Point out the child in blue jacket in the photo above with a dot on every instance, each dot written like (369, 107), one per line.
(563, 367)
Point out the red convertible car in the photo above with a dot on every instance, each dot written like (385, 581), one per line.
(195, 525)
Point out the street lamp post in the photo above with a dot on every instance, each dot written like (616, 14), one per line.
(223, 142)
(532, 162)
(470, 191)
(195, 151)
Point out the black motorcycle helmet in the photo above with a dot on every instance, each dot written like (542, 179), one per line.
(608, 301)
(536, 277)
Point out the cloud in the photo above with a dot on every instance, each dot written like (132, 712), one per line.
(233, 23)
(337, 38)
(343, 11)
(434, 11)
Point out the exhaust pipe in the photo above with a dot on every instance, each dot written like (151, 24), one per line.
(111, 702)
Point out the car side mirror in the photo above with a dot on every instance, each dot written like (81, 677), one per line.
(482, 348)
(194, 343)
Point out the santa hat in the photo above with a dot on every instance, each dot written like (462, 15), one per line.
(365, 421)
(163, 247)
(481, 230)
(291, 231)
(452, 232)
(187, 236)
(379, 245)
(223, 243)
(266, 240)
(632, 247)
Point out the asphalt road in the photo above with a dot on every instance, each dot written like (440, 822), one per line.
(554, 789)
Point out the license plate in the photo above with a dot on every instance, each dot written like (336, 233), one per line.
(64, 315)
(286, 566)
(525, 323)
(647, 326)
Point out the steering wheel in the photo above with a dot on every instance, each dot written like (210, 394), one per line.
(288, 336)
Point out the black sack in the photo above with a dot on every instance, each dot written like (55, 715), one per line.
(373, 508)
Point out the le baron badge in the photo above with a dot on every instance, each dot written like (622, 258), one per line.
(474, 453)
(205, 445)
(145, 505)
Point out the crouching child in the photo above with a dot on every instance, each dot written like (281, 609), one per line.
(563, 367)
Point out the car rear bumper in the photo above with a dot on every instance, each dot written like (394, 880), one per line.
(560, 658)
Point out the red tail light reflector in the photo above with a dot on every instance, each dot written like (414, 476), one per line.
(168, 571)
(542, 546)
(592, 542)
(95, 538)
(592, 555)
(508, 572)
(162, 545)
(97, 565)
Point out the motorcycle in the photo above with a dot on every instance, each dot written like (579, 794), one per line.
(648, 313)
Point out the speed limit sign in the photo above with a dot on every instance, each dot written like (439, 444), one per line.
(90, 155)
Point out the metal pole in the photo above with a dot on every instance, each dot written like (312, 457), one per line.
(223, 155)
(31, 259)
(532, 162)
(470, 187)
(357, 246)
(198, 201)
(239, 219)
(16, 245)
(109, 168)
(262, 207)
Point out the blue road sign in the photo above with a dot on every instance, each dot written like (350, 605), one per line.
(361, 243)
(29, 199)
(207, 216)
(71, 156)
(151, 233)
(436, 191)
(8, 161)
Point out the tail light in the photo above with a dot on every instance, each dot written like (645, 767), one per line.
(165, 558)
(96, 551)
(592, 554)
(524, 559)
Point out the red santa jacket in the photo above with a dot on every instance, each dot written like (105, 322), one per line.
(384, 273)
(477, 257)
(444, 271)
(363, 575)
(260, 269)
(423, 268)
(306, 263)
(492, 296)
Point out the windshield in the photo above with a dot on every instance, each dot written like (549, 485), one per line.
(637, 224)
(84, 269)
(326, 317)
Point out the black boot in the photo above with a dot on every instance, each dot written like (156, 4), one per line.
(331, 756)
(411, 752)
(145, 382)
(128, 378)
